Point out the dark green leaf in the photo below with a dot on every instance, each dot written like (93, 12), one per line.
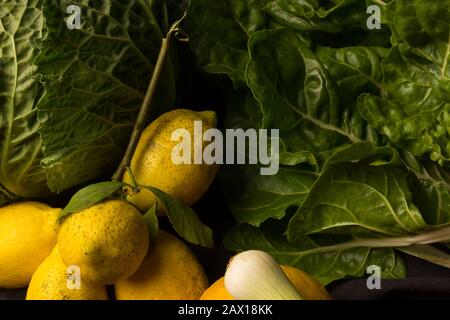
(5, 197)
(89, 196)
(184, 220)
(218, 32)
(431, 189)
(69, 98)
(373, 198)
(414, 114)
(20, 144)
(97, 78)
(254, 198)
(151, 219)
(325, 263)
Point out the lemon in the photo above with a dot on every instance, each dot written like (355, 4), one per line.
(152, 163)
(308, 287)
(108, 241)
(50, 282)
(169, 272)
(217, 291)
(28, 233)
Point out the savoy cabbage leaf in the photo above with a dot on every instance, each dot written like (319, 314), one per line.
(69, 98)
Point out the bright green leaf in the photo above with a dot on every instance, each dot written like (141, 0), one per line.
(89, 196)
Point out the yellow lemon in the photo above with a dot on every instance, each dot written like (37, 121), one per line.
(52, 281)
(169, 272)
(28, 234)
(108, 241)
(152, 163)
(308, 287)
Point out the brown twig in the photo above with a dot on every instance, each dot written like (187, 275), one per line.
(143, 113)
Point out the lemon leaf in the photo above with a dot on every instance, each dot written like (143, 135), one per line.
(151, 220)
(184, 220)
(90, 195)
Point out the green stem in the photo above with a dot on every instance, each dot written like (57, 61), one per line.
(441, 235)
(428, 253)
(143, 113)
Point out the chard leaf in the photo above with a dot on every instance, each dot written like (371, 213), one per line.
(95, 80)
(415, 112)
(431, 189)
(297, 95)
(325, 263)
(355, 69)
(309, 15)
(218, 32)
(21, 26)
(356, 195)
(254, 198)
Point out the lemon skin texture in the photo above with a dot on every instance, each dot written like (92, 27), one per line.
(108, 241)
(28, 233)
(152, 163)
(49, 282)
(169, 272)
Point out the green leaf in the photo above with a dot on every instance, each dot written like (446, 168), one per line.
(69, 98)
(89, 196)
(297, 95)
(254, 198)
(21, 26)
(184, 220)
(415, 112)
(325, 263)
(97, 78)
(309, 15)
(5, 197)
(218, 32)
(355, 69)
(431, 189)
(356, 195)
(151, 219)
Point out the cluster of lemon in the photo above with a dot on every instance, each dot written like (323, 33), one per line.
(109, 243)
